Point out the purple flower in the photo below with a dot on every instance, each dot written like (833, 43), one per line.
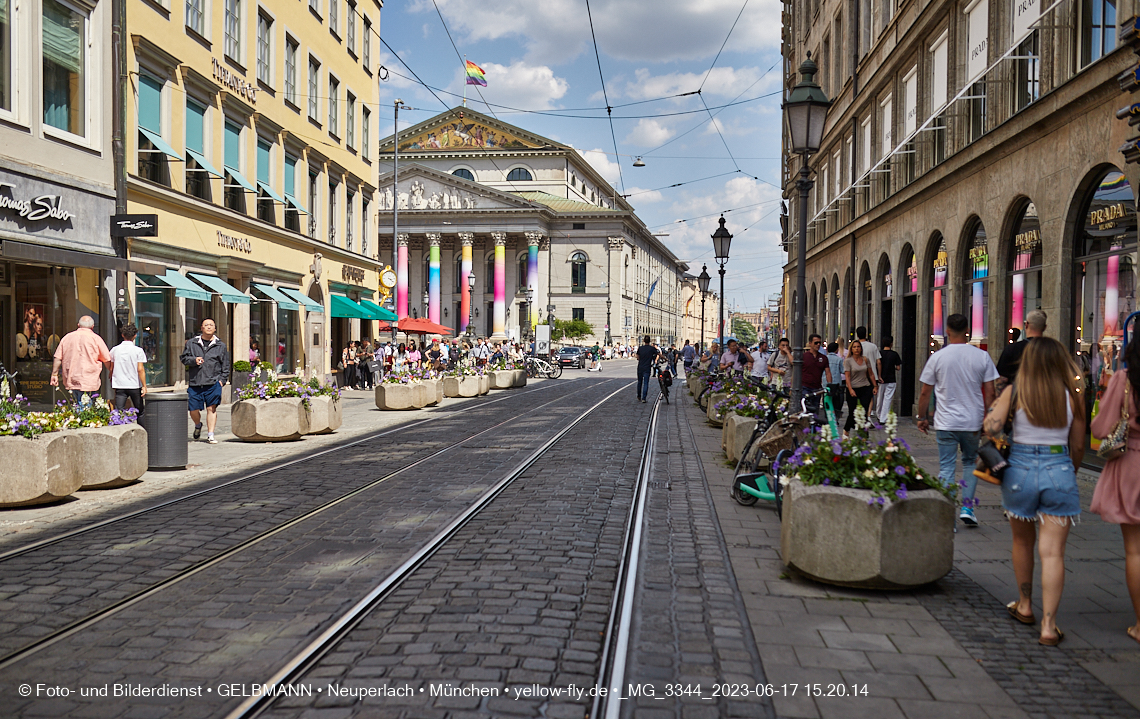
(900, 470)
(901, 492)
(827, 480)
(881, 501)
(836, 448)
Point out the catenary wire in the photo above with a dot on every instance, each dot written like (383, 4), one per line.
(722, 46)
(605, 95)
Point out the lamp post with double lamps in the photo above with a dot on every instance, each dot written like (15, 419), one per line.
(703, 284)
(721, 240)
(805, 113)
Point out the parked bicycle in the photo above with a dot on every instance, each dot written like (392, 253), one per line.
(703, 396)
(538, 367)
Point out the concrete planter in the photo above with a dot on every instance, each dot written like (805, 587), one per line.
(461, 386)
(324, 415)
(269, 420)
(501, 379)
(40, 470)
(737, 430)
(112, 456)
(833, 536)
(484, 384)
(714, 418)
(699, 385)
(433, 389)
(520, 378)
(400, 396)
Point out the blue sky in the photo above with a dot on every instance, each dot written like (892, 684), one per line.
(539, 57)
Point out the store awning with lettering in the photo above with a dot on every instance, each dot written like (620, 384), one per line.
(341, 306)
(160, 144)
(310, 304)
(228, 292)
(184, 287)
(378, 312)
(282, 301)
(264, 187)
(201, 160)
(240, 179)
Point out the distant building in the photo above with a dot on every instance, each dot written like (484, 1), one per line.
(691, 326)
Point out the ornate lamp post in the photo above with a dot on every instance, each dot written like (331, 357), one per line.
(471, 308)
(721, 240)
(609, 335)
(703, 284)
(805, 112)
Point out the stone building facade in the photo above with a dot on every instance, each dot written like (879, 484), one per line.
(969, 164)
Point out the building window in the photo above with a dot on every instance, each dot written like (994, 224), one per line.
(977, 110)
(194, 15)
(233, 29)
(152, 159)
(291, 70)
(939, 269)
(578, 272)
(367, 46)
(1027, 73)
(197, 176)
(64, 68)
(334, 106)
(521, 276)
(364, 236)
(315, 6)
(350, 121)
(287, 333)
(314, 202)
(265, 209)
(350, 18)
(234, 189)
(292, 213)
(350, 216)
(519, 174)
(977, 290)
(365, 133)
(1098, 29)
(578, 314)
(489, 277)
(464, 173)
(332, 213)
(334, 19)
(264, 49)
(1025, 277)
(314, 90)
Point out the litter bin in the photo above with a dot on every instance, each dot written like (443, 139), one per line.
(166, 424)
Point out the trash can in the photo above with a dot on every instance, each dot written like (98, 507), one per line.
(166, 424)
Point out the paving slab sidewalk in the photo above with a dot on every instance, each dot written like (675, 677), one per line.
(944, 650)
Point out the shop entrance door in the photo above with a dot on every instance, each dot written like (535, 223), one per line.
(909, 352)
(315, 351)
(886, 320)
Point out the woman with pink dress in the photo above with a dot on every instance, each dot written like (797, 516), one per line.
(1117, 495)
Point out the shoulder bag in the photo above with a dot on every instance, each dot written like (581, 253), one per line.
(993, 452)
(1116, 443)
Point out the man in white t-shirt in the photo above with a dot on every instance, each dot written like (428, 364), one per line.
(128, 370)
(963, 377)
(871, 352)
(760, 361)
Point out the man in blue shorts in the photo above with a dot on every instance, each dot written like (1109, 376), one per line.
(207, 368)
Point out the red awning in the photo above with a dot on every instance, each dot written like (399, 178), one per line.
(422, 326)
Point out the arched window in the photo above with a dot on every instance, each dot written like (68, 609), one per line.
(866, 298)
(976, 273)
(459, 278)
(519, 174)
(464, 173)
(578, 272)
(521, 280)
(489, 278)
(1025, 279)
(939, 270)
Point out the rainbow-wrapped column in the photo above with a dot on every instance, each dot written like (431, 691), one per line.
(433, 277)
(402, 275)
(532, 241)
(467, 239)
(499, 318)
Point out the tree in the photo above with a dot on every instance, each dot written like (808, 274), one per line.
(571, 330)
(744, 332)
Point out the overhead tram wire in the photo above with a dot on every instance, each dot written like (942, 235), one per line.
(680, 184)
(716, 127)
(722, 46)
(605, 95)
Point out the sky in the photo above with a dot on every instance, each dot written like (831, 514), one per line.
(540, 60)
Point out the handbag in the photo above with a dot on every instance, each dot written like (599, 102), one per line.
(993, 452)
(374, 366)
(1116, 443)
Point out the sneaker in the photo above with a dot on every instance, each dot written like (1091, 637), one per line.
(197, 431)
(210, 438)
(967, 517)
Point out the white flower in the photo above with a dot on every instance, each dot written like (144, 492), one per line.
(880, 472)
(868, 474)
(860, 418)
(808, 460)
(890, 448)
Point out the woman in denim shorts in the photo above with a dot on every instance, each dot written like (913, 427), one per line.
(1039, 489)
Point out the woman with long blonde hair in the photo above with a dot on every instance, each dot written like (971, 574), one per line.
(1039, 489)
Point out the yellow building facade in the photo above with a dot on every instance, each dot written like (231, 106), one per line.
(250, 153)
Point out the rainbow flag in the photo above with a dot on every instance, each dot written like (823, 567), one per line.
(475, 75)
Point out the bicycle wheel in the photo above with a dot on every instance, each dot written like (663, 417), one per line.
(749, 460)
(774, 484)
(555, 371)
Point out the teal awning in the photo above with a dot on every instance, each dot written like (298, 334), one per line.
(295, 204)
(344, 307)
(240, 179)
(219, 286)
(310, 304)
(378, 312)
(160, 144)
(184, 287)
(201, 160)
(264, 187)
(282, 301)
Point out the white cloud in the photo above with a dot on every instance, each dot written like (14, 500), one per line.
(601, 162)
(690, 240)
(724, 82)
(532, 87)
(649, 133)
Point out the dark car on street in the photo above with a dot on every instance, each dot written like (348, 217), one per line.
(572, 357)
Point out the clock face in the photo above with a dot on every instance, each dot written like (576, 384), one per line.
(388, 278)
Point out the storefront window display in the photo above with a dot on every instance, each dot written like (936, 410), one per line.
(153, 310)
(261, 337)
(287, 324)
(977, 272)
(196, 311)
(49, 302)
(912, 275)
(1025, 278)
(940, 271)
(1104, 282)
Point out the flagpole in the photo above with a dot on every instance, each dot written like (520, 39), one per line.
(464, 81)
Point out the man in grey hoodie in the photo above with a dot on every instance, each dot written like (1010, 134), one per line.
(207, 368)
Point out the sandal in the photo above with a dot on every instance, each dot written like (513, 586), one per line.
(1024, 619)
(1134, 632)
(1054, 641)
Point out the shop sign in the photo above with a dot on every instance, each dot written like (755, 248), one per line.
(351, 274)
(43, 207)
(1104, 217)
(1027, 241)
(134, 225)
(232, 82)
(241, 244)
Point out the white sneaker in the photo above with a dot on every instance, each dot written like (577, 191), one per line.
(210, 439)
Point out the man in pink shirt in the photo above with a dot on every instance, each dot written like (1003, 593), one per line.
(80, 357)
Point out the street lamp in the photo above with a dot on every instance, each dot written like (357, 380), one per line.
(398, 105)
(609, 335)
(721, 240)
(806, 112)
(427, 301)
(471, 306)
(703, 283)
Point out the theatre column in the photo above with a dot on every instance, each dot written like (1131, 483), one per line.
(466, 239)
(499, 319)
(402, 275)
(533, 239)
(433, 277)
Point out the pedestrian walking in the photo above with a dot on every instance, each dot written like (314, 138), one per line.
(1117, 495)
(1007, 365)
(79, 359)
(735, 360)
(688, 357)
(836, 386)
(815, 365)
(348, 365)
(207, 364)
(646, 354)
(760, 357)
(860, 382)
(128, 371)
(871, 352)
(962, 377)
(413, 357)
(363, 357)
(780, 363)
(672, 354)
(1039, 489)
(889, 364)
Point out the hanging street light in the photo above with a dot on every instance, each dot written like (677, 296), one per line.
(721, 240)
(805, 112)
(703, 284)
(639, 162)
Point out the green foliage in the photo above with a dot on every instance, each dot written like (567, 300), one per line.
(571, 329)
(242, 366)
(744, 332)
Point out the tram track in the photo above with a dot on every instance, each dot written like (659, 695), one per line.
(14, 655)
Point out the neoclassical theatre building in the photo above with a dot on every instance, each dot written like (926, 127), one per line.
(534, 222)
(970, 163)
